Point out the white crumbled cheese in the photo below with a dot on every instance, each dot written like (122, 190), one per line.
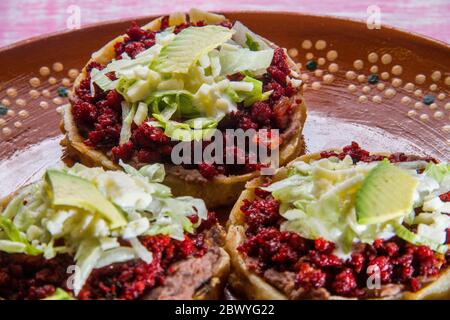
(141, 251)
(107, 243)
(101, 228)
(241, 86)
(55, 225)
(204, 61)
(135, 228)
(142, 72)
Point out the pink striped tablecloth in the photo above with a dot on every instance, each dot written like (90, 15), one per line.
(27, 18)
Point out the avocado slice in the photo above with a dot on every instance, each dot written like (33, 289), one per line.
(386, 193)
(69, 190)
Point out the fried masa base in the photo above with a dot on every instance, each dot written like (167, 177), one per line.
(220, 191)
(254, 286)
(206, 279)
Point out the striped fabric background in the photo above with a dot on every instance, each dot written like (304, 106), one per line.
(21, 19)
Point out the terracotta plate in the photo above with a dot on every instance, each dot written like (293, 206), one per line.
(386, 89)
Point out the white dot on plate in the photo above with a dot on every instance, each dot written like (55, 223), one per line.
(390, 92)
(73, 73)
(380, 86)
(306, 44)
(386, 58)
(418, 93)
(433, 106)
(361, 78)
(433, 87)
(412, 113)
(438, 115)
(447, 106)
(58, 67)
(409, 87)
(321, 61)
(316, 85)
(424, 117)
(44, 71)
(309, 56)
(23, 113)
(17, 124)
(12, 92)
(52, 80)
(405, 100)
(447, 81)
(397, 70)
(418, 105)
(436, 75)
(374, 69)
(35, 82)
(293, 52)
(441, 96)
(372, 57)
(362, 99)
(385, 75)
(21, 102)
(350, 75)
(320, 44)
(333, 67)
(318, 72)
(352, 88)
(34, 94)
(43, 104)
(358, 64)
(6, 102)
(446, 128)
(332, 55)
(57, 100)
(65, 82)
(420, 78)
(6, 131)
(366, 89)
(328, 78)
(377, 99)
(396, 82)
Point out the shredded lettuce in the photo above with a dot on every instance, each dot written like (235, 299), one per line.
(241, 37)
(256, 94)
(183, 132)
(188, 46)
(170, 102)
(417, 239)
(15, 235)
(317, 199)
(243, 59)
(251, 43)
(141, 113)
(128, 114)
(438, 171)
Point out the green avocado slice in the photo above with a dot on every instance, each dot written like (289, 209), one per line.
(69, 190)
(386, 193)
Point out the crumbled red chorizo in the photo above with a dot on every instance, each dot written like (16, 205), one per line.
(396, 260)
